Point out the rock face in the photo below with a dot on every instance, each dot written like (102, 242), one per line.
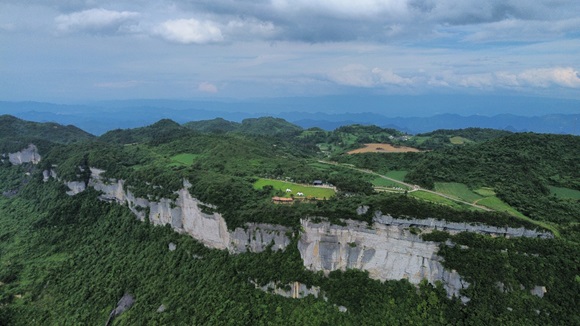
(388, 249)
(387, 252)
(454, 227)
(26, 155)
(185, 216)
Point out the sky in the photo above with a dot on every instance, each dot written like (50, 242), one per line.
(75, 50)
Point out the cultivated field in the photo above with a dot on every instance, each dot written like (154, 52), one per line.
(565, 193)
(383, 148)
(308, 191)
(458, 190)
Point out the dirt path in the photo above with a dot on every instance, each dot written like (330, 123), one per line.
(410, 186)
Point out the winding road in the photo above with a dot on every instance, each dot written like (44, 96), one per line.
(410, 186)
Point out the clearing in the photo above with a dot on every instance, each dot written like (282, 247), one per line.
(308, 191)
(383, 148)
(565, 193)
(185, 159)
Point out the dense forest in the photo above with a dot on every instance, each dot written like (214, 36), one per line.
(69, 259)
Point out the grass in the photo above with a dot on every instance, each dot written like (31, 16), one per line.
(397, 175)
(320, 166)
(565, 193)
(459, 140)
(458, 190)
(185, 159)
(316, 192)
(498, 205)
(382, 182)
(420, 139)
(427, 196)
(485, 191)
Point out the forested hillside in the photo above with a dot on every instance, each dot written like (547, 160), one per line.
(16, 134)
(69, 259)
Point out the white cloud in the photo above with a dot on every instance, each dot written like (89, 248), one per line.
(565, 77)
(250, 27)
(207, 88)
(353, 75)
(361, 76)
(94, 20)
(523, 30)
(189, 31)
(388, 77)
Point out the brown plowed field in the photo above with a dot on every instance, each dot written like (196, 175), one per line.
(383, 148)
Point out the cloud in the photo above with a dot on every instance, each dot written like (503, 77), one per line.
(361, 76)
(189, 31)
(522, 30)
(250, 28)
(206, 87)
(385, 20)
(562, 76)
(95, 20)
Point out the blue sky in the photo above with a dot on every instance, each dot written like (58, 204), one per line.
(65, 50)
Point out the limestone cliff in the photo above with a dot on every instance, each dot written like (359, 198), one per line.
(387, 252)
(387, 249)
(25, 155)
(186, 216)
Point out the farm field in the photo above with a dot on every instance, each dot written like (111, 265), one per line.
(317, 192)
(458, 190)
(485, 191)
(565, 193)
(382, 182)
(383, 148)
(433, 198)
(498, 205)
(397, 175)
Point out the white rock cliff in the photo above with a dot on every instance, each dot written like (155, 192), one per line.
(25, 155)
(387, 249)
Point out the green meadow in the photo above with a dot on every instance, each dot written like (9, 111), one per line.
(308, 191)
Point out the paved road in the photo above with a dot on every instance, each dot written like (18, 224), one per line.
(410, 186)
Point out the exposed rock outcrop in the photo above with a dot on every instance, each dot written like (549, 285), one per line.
(26, 155)
(387, 252)
(185, 215)
(388, 249)
(430, 224)
(295, 290)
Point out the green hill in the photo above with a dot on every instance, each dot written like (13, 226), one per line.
(268, 126)
(16, 134)
(159, 132)
(216, 126)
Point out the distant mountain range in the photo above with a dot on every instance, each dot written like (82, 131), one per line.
(98, 118)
